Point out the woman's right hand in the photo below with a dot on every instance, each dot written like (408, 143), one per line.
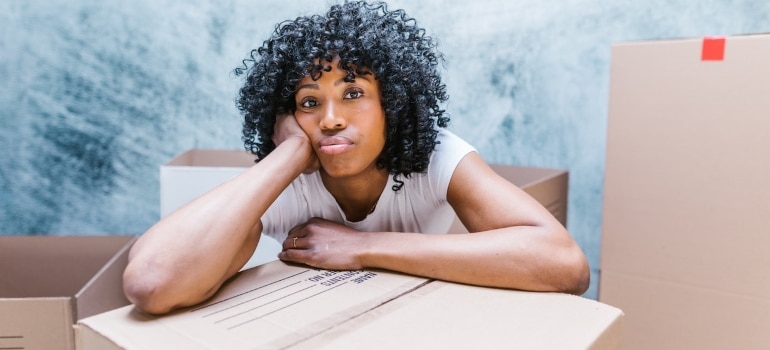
(286, 126)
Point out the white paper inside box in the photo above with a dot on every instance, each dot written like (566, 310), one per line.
(47, 283)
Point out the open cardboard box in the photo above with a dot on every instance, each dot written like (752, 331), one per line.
(281, 306)
(686, 224)
(47, 283)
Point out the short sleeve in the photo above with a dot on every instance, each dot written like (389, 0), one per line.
(445, 158)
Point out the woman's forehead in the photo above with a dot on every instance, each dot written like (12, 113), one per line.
(320, 66)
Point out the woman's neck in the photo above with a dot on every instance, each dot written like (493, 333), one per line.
(357, 196)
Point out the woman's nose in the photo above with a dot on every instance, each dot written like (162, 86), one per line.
(332, 118)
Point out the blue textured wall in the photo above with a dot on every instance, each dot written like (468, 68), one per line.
(95, 95)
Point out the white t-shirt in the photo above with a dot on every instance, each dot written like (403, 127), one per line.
(420, 205)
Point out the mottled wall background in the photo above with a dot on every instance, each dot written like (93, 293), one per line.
(96, 95)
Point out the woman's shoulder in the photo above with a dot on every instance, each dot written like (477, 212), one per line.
(450, 147)
(448, 153)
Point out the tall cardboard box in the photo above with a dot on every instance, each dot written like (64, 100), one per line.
(47, 283)
(281, 306)
(686, 225)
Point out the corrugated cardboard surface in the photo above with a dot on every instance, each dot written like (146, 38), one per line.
(686, 224)
(444, 315)
(47, 283)
(277, 306)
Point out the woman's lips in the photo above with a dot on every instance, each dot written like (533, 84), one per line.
(335, 145)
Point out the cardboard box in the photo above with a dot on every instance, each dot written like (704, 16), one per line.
(196, 171)
(687, 193)
(280, 306)
(47, 283)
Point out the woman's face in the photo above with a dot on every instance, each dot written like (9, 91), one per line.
(344, 120)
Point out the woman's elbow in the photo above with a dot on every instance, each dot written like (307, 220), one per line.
(145, 294)
(577, 277)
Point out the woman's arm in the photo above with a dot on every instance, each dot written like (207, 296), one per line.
(184, 258)
(516, 243)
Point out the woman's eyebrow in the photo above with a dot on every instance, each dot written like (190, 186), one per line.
(343, 79)
(339, 81)
(313, 86)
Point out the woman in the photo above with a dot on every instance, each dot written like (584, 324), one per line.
(354, 168)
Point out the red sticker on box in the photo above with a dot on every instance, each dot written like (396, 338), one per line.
(713, 49)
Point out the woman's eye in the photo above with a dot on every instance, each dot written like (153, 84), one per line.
(308, 103)
(353, 94)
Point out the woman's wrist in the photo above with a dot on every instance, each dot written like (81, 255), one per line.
(298, 152)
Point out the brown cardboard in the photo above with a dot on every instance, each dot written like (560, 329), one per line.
(687, 198)
(277, 306)
(47, 283)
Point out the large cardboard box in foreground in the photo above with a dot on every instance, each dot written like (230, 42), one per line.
(47, 283)
(278, 306)
(686, 231)
(196, 171)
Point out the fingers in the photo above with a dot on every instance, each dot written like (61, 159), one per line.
(295, 250)
(295, 242)
(286, 126)
(298, 237)
(293, 255)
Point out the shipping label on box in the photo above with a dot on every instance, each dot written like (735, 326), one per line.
(271, 306)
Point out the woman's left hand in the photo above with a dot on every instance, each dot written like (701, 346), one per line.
(325, 244)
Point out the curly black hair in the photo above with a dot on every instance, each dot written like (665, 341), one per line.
(389, 43)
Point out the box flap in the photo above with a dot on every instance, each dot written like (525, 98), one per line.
(104, 291)
(212, 158)
(52, 266)
(469, 317)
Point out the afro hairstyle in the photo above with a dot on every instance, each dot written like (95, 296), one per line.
(389, 44)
